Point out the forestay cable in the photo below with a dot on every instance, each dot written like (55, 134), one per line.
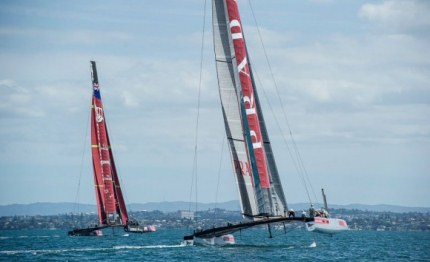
(76, 207)
(300, 167)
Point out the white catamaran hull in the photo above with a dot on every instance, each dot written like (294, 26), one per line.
(327, 225)
(98, 231)
(139, 229)
(214, 241)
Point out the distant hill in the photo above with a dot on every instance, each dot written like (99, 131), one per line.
(45, 208)
(382, 207)
(66, 207)
(62, 208)
(182, 205)
(364, 207)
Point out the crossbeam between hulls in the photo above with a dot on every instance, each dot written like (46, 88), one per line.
(231, 228)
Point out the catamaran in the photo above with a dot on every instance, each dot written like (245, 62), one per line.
(261, 194)
(112, 211)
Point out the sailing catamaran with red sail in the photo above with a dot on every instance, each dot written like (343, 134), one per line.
(261, 194)
(112, 211)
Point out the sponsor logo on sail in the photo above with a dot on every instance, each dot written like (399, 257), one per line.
(99, 114)
(242, 167)
(248, 93)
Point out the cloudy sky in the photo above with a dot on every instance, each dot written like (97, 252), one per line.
(353, 77)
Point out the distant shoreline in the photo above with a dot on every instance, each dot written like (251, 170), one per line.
(356, 219)
(47, 208)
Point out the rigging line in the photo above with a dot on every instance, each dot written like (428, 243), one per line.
(194, 176)
(303, 166)
(280, 100)
(219, 175)
(192, 186)
(122, 188)
(295, 161)
(76, 207)
(118, 171)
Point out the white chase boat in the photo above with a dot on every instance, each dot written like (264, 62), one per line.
(322, 223)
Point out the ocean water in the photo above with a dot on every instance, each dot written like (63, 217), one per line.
(251, 245)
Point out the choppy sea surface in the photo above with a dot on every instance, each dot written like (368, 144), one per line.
(251, 245)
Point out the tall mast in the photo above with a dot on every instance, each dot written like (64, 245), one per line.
(324, 199)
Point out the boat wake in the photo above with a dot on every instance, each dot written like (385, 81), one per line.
(149, 247)
(50, 251)
(266, 246)
(25, 236)
(89, 249)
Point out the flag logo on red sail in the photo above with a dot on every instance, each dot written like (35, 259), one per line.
(96, 89)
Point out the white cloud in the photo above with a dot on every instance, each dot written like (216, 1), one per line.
(322, 1)
(17, 101)
(129, 99)
(398, 14)
(354, 71)
(67, 37)
(353, 88)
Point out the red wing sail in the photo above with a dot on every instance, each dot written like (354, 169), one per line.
(248, 92)
(110, 202)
